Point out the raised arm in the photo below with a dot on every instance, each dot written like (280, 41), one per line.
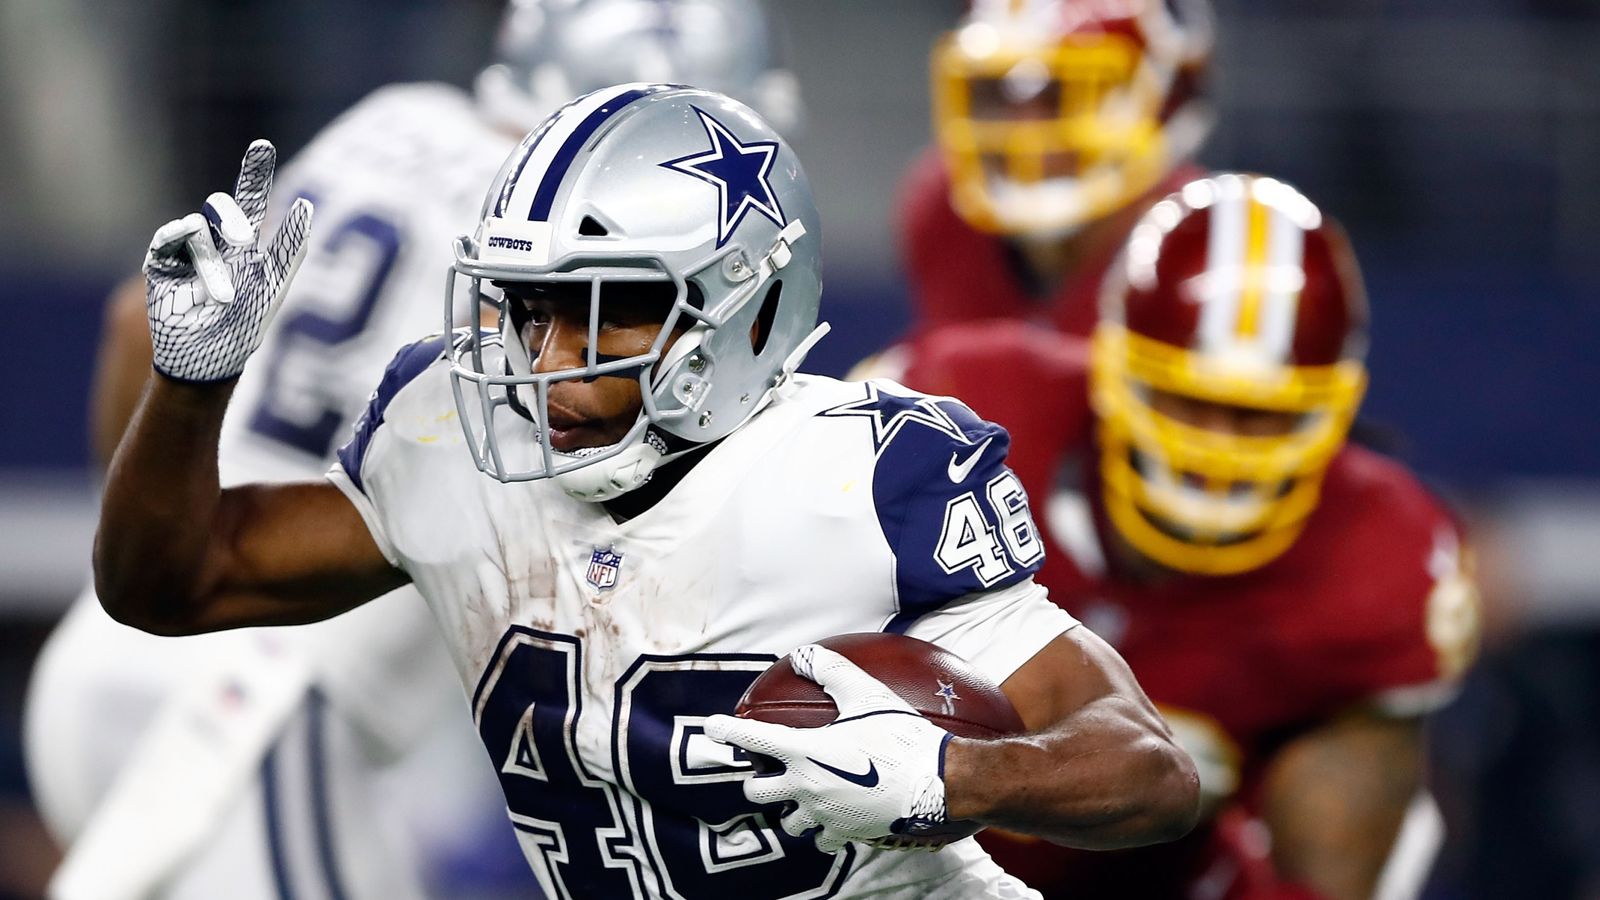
(175, 554)
(121, 369)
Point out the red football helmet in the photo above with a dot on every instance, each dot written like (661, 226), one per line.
(1054, 113)
(1235, 297)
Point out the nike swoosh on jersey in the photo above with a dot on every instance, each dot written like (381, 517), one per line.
(866, 779)
(958, 471)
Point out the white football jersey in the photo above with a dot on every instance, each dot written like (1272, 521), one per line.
(394, 179)
(594, 650)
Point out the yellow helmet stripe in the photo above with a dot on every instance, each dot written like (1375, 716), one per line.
(1285, 279)
(1252, 279)
(1250, 293)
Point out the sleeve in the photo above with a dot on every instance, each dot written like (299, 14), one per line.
(955, 517)
(1407, 624)
(360, 453)
(996, 631)
(1441, 639)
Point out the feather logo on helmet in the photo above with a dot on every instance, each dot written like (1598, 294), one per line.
(739, 171)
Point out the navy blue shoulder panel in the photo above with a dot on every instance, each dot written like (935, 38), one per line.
(411, 361)
(952, 512)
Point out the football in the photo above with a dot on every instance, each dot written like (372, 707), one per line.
(935, 682)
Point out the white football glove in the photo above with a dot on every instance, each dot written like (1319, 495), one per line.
(872, 775)
(210, 288)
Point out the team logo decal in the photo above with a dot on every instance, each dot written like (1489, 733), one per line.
(947, 693)
(603, 566)
(738, 171)
(889, 413)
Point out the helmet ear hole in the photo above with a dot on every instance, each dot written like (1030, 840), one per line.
(591, 227)
(766, 315)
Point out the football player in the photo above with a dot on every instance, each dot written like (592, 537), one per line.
(1294, 604)
(623, 503)
(259, 764)
(1057, 123)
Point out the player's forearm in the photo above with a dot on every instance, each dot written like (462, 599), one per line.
(158, 519)
(122, 366)
(1105, 777)
(1335, 798)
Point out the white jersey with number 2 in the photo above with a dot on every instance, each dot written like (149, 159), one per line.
(394, 179)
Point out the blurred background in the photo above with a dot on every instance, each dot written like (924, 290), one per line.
(1458, 140)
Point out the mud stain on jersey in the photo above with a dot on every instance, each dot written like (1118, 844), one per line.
(529, 573)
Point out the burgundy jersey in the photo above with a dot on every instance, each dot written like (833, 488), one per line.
(960, 274)
(1370, 606)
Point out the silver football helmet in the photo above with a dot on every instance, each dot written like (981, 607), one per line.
(641, 182)
(550, 51)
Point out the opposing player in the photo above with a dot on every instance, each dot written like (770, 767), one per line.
(1294, 604)
(300, 796)
(623, 504)
(1057, 123)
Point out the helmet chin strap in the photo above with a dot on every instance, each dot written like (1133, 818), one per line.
(629, 470)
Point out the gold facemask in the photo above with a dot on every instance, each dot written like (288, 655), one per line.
(1204, 501)
(1041, 138)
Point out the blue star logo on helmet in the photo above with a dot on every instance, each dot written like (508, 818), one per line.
(739, 171)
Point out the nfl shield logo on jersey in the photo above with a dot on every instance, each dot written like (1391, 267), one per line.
(603, 567)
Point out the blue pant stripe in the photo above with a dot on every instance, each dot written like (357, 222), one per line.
(274, 815)
(322, 814)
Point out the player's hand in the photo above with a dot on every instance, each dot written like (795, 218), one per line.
(872, 775)
(210, 287)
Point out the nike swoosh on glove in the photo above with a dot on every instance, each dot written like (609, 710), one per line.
(210, 288)
(873, 773)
